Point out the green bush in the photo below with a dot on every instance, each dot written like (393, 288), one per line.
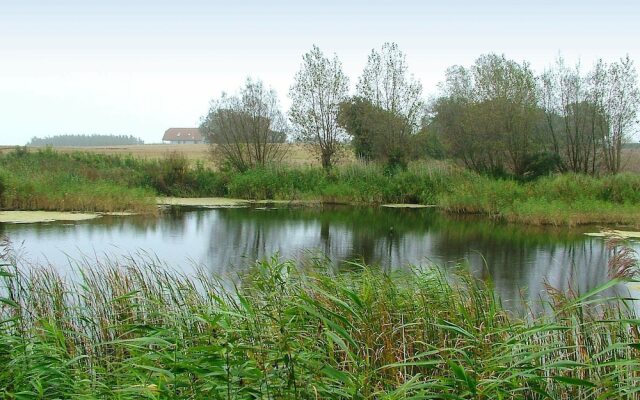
(540, 164)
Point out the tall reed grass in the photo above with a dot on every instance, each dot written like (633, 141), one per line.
(134, 329)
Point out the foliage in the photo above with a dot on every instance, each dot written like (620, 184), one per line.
(46, 180)
(388, 106)
(138, 330)
(488, 116)
(3, 187)
(427, 144)
(540, 164)
(246, 130)
(318, 89)
(376, 133)
(562, 199)
(49, 180)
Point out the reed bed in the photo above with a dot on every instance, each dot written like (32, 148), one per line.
(132, 328)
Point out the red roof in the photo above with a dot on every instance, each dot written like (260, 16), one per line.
(190, 134)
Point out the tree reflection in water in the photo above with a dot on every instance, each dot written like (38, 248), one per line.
(518, 259)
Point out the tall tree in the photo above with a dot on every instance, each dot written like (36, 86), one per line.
(488, 115)
(387, 85)
(617, 97)
(248, 129)
(371, 128)
(571, 117)
(318, 89)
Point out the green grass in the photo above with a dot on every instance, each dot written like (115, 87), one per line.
(135, 330)
(92, 182)
(567, 199)
(47, 180)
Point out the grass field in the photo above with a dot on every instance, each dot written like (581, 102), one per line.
(631, 160)
(298, 155)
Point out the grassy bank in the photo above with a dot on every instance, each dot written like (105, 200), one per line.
(134, 330)
(564, 199)
(567, 199)
(47, 180)
(84, 181)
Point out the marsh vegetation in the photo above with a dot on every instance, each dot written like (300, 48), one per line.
(137, 330)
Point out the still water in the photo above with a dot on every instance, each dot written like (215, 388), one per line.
(518, 259)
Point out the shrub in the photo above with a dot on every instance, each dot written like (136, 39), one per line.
(540, 164)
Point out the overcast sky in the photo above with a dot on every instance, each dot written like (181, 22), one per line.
(140, 67)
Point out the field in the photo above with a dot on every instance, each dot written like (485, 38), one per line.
(298, 155)
(631, 160)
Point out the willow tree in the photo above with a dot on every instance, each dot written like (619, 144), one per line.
(572, 118)
(318, 89)
(246, 130)
(386, 83)
(617, 97)
(590, 115)
(488, 115)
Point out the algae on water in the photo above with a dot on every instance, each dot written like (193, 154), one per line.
(201, 202)
(615, 233)
(28, 217)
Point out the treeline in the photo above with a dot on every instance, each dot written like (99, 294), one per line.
(85, 140)
(496, 116)
(499, 117)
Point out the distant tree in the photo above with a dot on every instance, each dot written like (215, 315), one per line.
(571, 117)
(488, 115)
(590, 116)
(318, 89)
(374, 131)
(246, 130)
(386, 84)
(85, 140)
(617, 97)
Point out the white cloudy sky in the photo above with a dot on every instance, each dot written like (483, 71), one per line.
(139, 67)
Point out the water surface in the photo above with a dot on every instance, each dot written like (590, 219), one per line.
(518, 259)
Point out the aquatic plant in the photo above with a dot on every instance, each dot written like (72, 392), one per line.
(132, 328)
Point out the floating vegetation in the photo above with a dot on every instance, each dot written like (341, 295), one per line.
(28, 217)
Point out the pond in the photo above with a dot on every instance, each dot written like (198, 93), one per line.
(518, 259)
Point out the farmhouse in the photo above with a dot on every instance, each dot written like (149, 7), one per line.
(183, 136)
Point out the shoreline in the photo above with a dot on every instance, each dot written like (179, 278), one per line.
(607, 218)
